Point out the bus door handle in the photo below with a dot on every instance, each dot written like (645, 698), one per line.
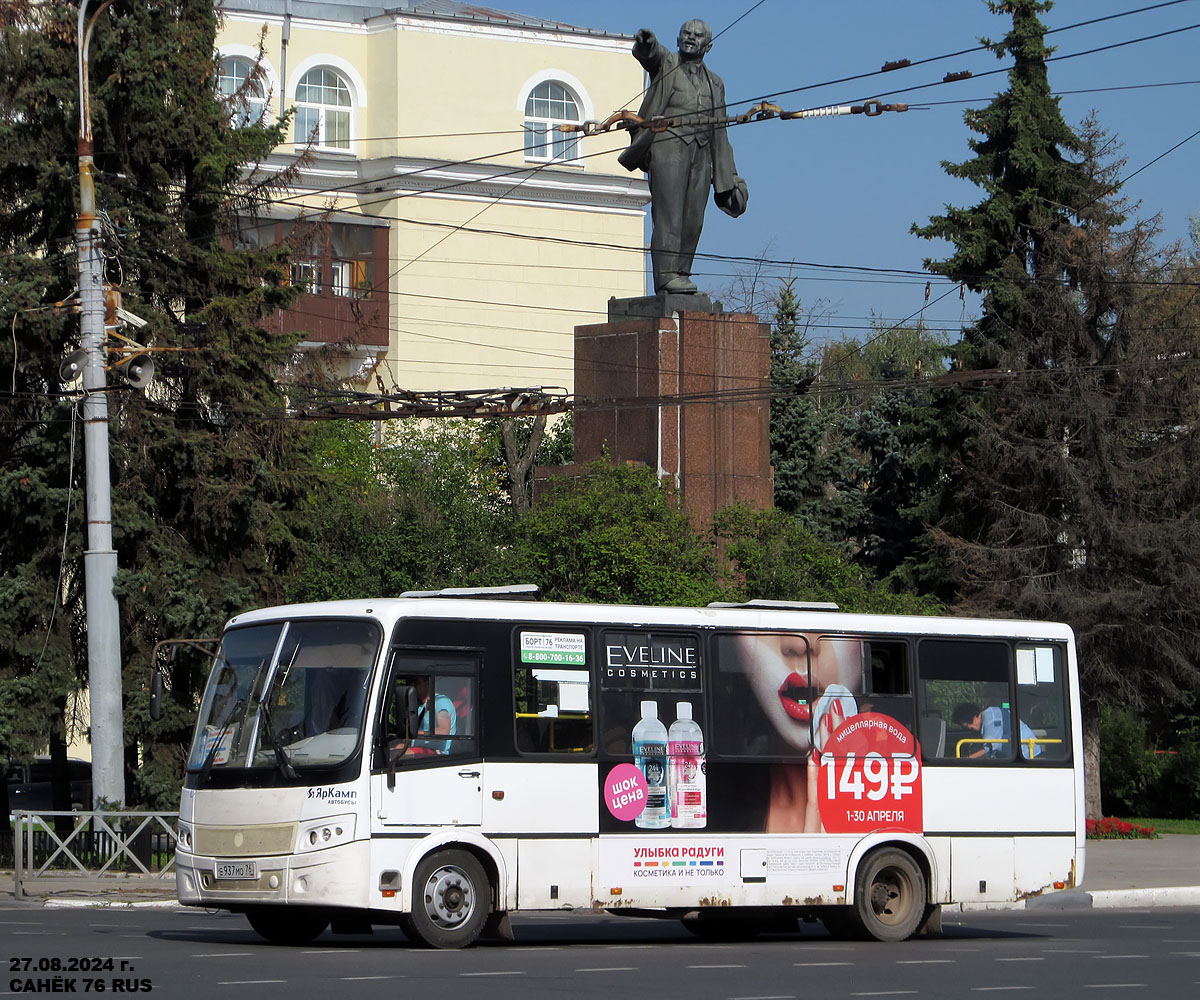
(468, 774)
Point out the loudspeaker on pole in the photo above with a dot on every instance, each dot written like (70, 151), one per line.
(72, 366)
(139, 370)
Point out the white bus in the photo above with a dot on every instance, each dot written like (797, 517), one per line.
(440, 761)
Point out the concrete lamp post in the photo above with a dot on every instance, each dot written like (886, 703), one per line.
(100, 558)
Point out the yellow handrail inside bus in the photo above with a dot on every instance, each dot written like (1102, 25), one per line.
(997, 739)
(561, 715)
(565, 716)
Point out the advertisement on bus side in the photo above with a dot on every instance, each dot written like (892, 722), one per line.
(799, 742)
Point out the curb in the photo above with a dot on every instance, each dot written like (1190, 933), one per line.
(1180, 895)
(111, 904)
(1100, 899)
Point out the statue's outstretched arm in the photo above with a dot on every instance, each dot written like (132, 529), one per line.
(647, 51)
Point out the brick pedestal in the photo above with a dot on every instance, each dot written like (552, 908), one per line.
(686, 395)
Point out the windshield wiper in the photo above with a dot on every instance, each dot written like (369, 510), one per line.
(281, 757)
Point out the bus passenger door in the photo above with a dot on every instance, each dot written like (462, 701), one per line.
(429, 771)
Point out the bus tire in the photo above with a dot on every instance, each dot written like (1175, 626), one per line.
(889, 895)
(451, 900)
(290, 925)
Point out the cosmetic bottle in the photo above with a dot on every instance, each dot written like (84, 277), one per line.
(686, 785)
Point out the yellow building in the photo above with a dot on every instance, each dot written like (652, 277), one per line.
(467, 236)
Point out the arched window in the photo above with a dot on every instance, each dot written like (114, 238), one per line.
(323, 109)
(241, 89)
(550, 104)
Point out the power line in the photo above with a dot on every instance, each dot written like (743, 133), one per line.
(767, 97)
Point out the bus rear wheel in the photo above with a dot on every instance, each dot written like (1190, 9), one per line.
(287, 926)
(889, 896)
(451, 897)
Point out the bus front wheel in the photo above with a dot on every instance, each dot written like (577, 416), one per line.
(451, 898)
(889, 895)
(281, 925)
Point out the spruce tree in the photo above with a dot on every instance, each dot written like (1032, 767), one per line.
(1074, 486)
(208, 473)
(792, 426)
(1026, 162)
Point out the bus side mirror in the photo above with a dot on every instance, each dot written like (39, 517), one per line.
(156, 687)
(411, 707)
(156, 683)
(408, 722)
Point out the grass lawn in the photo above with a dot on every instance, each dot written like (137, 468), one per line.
(1167, 825)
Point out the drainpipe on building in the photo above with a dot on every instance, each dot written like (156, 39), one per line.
(287, 34)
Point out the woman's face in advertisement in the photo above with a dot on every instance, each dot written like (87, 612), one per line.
(778, 668)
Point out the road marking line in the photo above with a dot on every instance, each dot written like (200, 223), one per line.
(251, 982)
(817, 965)
(611, 968)
(1032, 958)
(514, 972)
(355, 979)
(886, 993)
(1111, 986)
(925, 961)
(223, 954)
(997, 989)
(715, 966)
(1122, 956)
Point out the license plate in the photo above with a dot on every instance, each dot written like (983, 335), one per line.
(236, 870)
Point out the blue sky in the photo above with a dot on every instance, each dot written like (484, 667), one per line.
(845, 191)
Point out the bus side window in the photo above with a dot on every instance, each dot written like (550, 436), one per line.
(1041, 703)
(966, 700)
(445, 695)
(553, 709)
(887, 686)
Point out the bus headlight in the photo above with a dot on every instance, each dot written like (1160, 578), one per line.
(185, 837)
(319, 834)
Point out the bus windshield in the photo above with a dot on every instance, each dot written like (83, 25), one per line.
(286, 695)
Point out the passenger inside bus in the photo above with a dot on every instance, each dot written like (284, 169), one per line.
(994, 723)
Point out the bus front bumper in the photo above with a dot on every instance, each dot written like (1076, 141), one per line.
(332, 877)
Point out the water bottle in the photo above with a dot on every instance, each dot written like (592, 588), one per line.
(650, 754)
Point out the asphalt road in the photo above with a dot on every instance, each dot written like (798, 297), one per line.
(1084, 953)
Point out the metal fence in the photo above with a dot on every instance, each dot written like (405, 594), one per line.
(92, 845)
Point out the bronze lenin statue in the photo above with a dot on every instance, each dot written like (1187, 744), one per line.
(687, 159)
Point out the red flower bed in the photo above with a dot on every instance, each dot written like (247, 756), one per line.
(1111, 828)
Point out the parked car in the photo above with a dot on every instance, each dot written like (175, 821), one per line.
(29, 785)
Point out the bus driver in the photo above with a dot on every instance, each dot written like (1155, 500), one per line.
(444, 722)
